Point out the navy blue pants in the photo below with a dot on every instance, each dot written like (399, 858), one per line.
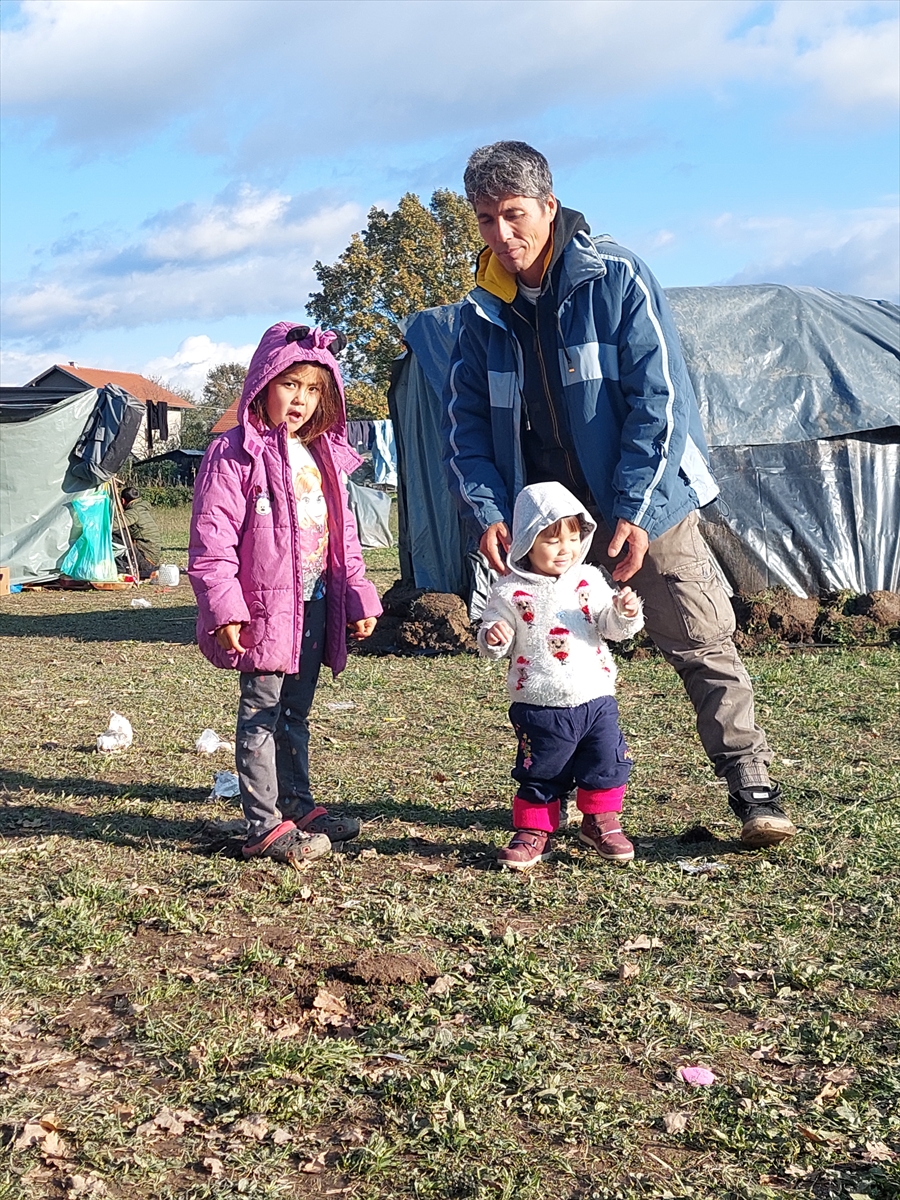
(560, 748)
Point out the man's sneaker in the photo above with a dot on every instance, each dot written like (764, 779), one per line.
(527, 848)
(763, 821)
(603, 832)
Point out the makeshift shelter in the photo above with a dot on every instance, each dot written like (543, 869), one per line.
(52, 459)
(161, 427)
(799, 391)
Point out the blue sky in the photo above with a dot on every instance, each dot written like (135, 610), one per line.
(173, 168)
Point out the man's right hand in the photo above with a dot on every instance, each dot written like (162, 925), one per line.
(229, 638)
(494, 539)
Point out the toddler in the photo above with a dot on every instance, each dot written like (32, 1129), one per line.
(549, 616)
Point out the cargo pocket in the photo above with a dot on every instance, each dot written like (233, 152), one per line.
(700, 604)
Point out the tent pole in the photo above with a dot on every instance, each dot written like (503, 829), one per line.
(130, 554)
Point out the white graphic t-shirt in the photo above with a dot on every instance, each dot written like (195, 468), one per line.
(312, 517)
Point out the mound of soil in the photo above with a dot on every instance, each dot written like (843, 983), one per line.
(838, 618)
(417, 621)
(388, 968)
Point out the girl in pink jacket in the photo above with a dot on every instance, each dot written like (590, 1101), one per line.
(277, 570)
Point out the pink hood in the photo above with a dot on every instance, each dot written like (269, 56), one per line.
(275, 354)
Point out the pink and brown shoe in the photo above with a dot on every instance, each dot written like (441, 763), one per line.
(527, 848)
(603, 833)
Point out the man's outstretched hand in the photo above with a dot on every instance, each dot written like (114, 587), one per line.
(637, 541)
(494, 539)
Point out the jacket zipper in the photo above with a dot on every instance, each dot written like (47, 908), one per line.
(288, 480)
(546, 382)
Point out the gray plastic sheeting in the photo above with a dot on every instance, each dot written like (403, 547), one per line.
(799, 390)
(772, 364)
(37, 488)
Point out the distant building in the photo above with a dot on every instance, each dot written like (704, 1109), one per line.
(161, 428)
(228, 419)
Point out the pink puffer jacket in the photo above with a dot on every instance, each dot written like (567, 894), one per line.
(243, 560)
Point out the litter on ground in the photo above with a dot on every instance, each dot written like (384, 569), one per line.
(701, 868)
(118, 736)
(225, 786)
(209, 742)
(140, 602)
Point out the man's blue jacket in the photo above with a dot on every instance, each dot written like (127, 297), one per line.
(631, 410)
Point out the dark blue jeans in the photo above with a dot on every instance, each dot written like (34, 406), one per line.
(562, 747)
(272, 742)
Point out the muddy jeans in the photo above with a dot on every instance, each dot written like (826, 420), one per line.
(272, 742)
(689, 616)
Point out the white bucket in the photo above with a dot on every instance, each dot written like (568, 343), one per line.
(167, 575)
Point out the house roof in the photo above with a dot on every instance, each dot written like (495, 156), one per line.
(228, 419)
(137, 385)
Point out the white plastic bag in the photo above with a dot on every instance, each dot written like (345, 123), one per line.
(141, 603)
(118, 736)
(225, 786)
(209, 742)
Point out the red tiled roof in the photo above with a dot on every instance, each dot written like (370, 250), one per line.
(137, 385)
(228, 419)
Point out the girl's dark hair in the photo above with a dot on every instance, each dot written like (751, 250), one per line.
(328, 411)
(571, 524)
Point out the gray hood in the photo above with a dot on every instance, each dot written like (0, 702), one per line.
(540, 505)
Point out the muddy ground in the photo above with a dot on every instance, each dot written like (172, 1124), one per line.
(419, 622)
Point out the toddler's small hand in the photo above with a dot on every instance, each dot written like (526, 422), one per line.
(361, 629)
(498, 634)
(626, 602)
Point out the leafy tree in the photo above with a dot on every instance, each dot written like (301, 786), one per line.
(404, 261)
(223, 386)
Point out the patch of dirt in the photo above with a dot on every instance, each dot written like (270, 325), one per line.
(835, 618)
(417, 621)
(390, 968)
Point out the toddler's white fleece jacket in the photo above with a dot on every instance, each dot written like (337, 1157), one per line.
(558, 656)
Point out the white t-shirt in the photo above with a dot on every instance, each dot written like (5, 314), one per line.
(312, 517)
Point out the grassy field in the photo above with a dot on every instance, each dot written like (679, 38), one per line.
(403, 1020)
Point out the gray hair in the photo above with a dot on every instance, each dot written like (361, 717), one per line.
(507, 169)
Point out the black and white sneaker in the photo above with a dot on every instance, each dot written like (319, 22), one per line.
(763, 821)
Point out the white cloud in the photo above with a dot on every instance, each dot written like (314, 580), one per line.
(247, 252)
(18, 366)
(193, 360)
(243, 75)
(854, 252)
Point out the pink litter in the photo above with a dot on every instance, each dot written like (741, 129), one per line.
(697, 1076)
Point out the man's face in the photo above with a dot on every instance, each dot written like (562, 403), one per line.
(517, 229)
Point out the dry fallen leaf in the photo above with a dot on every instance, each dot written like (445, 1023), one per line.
(675, 1122)
(255, 1126)
(84, 1185)
(824, 1138)
(314, 1166)
(629, 970)
(280, 1136)
(53, 1146)
(214, 1167)
(441, 986)
(642, 942)
(879, 1152)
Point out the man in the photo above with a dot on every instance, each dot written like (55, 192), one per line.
(144, 533)
(568, 368)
